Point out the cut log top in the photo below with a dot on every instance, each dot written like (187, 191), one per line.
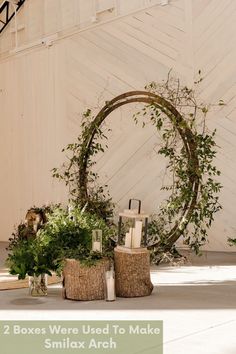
(131, 250)
(134, 216)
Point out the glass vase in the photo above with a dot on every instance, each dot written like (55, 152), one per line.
(38, 285)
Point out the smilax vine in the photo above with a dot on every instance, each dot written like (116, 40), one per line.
(192, 187)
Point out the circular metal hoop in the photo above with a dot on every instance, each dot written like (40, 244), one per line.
(184, 131)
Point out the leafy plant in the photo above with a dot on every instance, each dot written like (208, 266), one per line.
(69, 235)
(28, 255)
(66, 234)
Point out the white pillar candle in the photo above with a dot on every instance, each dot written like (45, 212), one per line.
(110, 284)
(131, 231)
(96, 246)
(137, 234)
(128, 240)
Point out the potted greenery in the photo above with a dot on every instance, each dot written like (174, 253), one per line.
(29, 255)
(68, 232)
(66, 235)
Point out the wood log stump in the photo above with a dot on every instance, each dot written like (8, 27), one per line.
(132, 269)
(82, 282)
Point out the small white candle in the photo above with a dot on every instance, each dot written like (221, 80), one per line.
(97, 246)
(110, 283)
(137, 234)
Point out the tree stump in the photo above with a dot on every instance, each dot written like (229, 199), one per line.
(82, 282)
(132, 269)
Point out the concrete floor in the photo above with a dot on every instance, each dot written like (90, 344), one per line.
(196, 302)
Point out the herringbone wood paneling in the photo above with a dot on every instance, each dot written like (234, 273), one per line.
(43, 92)
(214, 54)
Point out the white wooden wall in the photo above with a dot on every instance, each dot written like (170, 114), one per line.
(214, 51)
(44, 90)
(38, 19)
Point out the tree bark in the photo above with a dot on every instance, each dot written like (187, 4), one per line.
(82, 282)
(132, 272)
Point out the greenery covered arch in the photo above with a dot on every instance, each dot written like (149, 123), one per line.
(184, 131)
(189, 146)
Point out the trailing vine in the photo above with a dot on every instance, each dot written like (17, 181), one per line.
(77, 173)
(190, 148)
(193, 201)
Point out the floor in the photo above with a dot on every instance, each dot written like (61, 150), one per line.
(197, 303)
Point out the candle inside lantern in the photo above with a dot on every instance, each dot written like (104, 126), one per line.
(131, 231)
(97, 241)
(97, 246)
(110, 286)
(128, 240)
(138, 220)
(137, 234)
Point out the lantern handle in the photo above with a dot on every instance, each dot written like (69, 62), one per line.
(139, 204)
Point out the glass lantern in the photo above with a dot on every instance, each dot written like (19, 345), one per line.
(97, 241)
(136, 232)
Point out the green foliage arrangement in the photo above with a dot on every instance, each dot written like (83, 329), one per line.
(29, 255)
(66, 234)
(69, 235)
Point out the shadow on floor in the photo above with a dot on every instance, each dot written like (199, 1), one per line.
(199, 286)
(166, 297)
